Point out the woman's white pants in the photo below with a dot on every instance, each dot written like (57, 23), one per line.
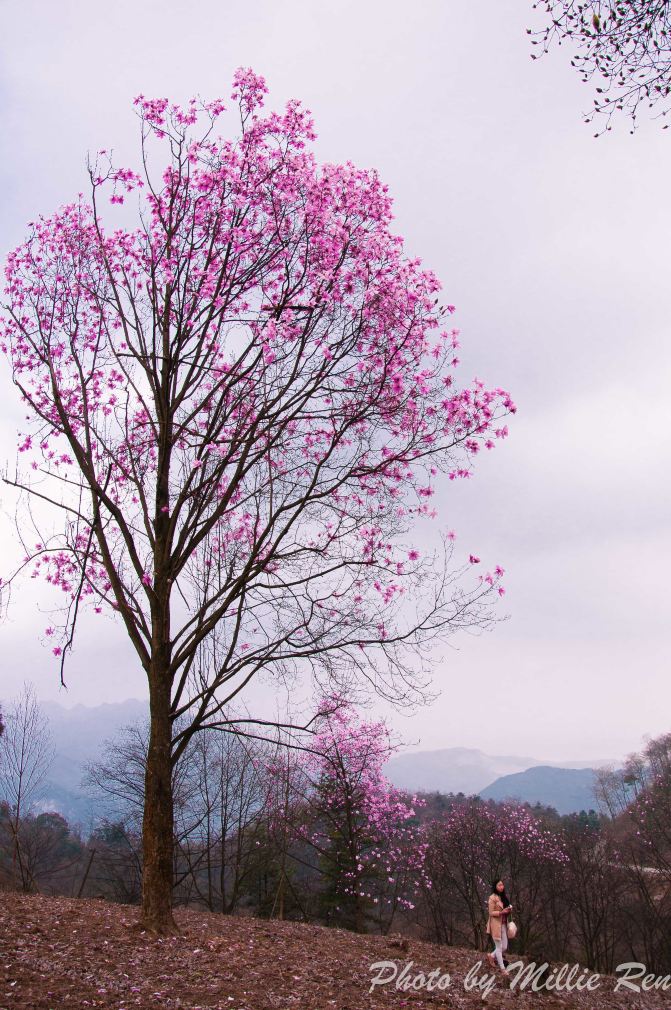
(501, 947)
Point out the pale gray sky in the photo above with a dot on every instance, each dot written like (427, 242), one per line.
(552, 245)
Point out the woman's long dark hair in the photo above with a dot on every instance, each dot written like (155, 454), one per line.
(500, 894)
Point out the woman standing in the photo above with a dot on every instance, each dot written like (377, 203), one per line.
(499, 909)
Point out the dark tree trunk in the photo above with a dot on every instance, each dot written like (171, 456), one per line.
(157, 825)
(158, 820)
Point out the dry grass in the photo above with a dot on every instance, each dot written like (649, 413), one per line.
(59, 952)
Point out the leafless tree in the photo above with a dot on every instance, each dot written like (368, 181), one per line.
(219, 796)
(51, 852)
(624, 45)
(26, 752)
(228, 792)
(117, 778)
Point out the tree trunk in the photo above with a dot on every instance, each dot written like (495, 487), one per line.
(157, 824)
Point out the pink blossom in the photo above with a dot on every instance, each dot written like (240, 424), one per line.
(312, 411)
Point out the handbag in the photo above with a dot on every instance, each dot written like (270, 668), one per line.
(511, 930)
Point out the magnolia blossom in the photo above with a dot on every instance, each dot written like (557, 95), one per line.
(363, 828)
(278, 280)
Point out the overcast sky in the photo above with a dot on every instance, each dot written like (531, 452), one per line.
(553, 246)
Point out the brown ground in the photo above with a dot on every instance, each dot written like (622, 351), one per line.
(60, 952)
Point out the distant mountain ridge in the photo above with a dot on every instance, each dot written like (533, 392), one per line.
(80, 732)
(568, 790)
(566, 786)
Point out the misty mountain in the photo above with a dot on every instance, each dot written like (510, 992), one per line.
(460, 769)
(80, 732)
(78, 735)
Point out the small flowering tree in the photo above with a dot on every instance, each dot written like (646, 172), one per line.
(646, 851)
(471, 845)
(534, 857)
(362, 829)
(649, 815)
(638, 799)
(239, 400)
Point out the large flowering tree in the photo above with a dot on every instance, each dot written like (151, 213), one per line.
(239, 398)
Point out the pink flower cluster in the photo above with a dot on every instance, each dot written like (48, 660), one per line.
(257, 350)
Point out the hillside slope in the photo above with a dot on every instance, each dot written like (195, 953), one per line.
(63, 952)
